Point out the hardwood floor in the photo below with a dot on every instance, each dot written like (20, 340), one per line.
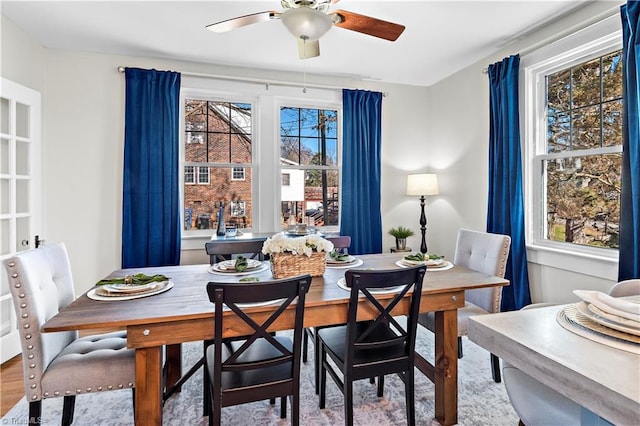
(11, 384)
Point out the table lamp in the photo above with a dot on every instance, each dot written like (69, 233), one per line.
(422, 184)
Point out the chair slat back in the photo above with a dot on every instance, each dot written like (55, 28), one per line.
(224, 250)
(365, 283)
(283, 293)
(342, 243)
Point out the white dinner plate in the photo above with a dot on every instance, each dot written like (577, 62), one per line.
(445, 265)
(216, 270)
(130, 288)
(342, 283)
(349, 259)
(337, 265)
(587, 310)
(592, 297)
(96, 293)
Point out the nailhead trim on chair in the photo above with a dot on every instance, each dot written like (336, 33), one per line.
(501, 272)
(26, 326)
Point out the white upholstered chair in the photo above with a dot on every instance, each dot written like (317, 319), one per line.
(483, 252)
(536, 403)
(60, 364)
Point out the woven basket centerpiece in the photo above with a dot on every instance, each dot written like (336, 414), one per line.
(289, 265)
(297, 256)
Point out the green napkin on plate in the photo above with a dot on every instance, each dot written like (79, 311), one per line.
(137, 279)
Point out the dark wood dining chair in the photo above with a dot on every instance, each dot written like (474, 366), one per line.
(225, 250)
(263, 366)
(221, 250)
(361, 350)
(342, 244)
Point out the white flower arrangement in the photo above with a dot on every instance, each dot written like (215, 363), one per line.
(280, 243)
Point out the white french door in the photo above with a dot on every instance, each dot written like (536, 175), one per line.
(20, 192)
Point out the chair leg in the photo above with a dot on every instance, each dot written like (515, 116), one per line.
(35, 413)
(322, 378)
(68, 407)
(206, 385)
(316, 361)
(495, 368)
(305, 344)
(283, 407)
(409, 391)
(459, 347)
(295, 407)
(380, 386)
(348, 402)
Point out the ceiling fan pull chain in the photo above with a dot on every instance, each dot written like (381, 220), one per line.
(304, 65)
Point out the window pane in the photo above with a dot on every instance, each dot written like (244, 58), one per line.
(219, 148)
(583, 199)
(311, 198)
(218, 132)
(558, 132)
(202, 201)
(612, 123)
(558, 90)
(612, 76)
(309, 137)
(586, 84)
(4, 116)
(586, 128)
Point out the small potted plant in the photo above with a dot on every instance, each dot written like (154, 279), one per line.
(401, 234)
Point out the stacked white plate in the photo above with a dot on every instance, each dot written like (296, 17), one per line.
(621, 314)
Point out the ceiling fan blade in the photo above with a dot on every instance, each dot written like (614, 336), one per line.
(368, 25)
(308, 48)
(241, 21)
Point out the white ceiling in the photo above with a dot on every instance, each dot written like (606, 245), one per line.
(441, 37)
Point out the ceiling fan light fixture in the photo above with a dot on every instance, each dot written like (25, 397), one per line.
(306, 23)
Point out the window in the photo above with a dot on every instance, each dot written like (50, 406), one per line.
(238, 209)
(575, 149)
(203, 175)
(189, 175)
(239, 126)
(237, 173)
(217, 139)
(309, 159)
(196, 174)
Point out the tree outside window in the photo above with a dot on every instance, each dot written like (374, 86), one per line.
(581, 165)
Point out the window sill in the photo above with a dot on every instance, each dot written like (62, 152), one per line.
(579, 263)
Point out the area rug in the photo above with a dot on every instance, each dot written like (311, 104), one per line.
(481, 401)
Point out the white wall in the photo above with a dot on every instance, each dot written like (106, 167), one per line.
(441, 129)
(83, 98)
(458, 113)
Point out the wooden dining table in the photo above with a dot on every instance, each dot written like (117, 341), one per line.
(184, 314)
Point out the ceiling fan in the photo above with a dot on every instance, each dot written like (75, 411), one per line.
(308, 20)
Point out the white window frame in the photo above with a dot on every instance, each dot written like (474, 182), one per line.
(298, 103)
(192, 173)
(592, 42)
(265, 167)
(203, 178)
(238, 169)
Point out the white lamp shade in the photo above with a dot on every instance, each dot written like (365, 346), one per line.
(306, 23)
(422, 184)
